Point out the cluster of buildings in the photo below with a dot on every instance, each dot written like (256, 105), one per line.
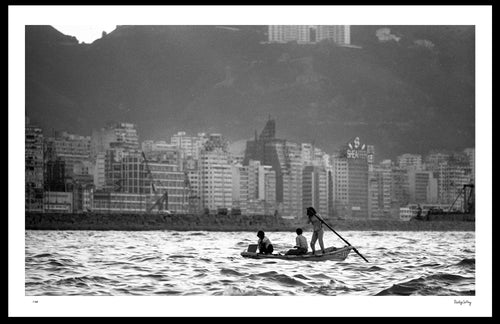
(112, 172)
(309, 34)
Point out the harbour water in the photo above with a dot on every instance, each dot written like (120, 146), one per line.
(183, 263)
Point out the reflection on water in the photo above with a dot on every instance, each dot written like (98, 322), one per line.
(115, 263)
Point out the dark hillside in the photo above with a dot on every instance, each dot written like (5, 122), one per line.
(413, 93)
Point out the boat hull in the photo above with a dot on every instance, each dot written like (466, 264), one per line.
(331, 254)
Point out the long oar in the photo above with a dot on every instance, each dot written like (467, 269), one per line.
(341, 237)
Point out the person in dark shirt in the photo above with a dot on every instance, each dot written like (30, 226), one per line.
(264, 243)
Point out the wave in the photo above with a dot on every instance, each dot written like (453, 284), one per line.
(331, 288)
(206, 259)
(168, 292)
(362, 268)
(151, 258)
(179, 256)
(85, 280)
(67, 260)
(232, 291)
(55, 263)
(27, 284)
(116, 263)
(198, 234)
(267, 274)
(43, 255)
(143, 258)
(398, 290)
(287, 280)
(432, 265)
(230, 272)
(247, 291)
(467, 263)
(443, 291)
(301, 277)
(447, 277)
(320, 276)
(277, 277)
(155, 276)
(436, 284)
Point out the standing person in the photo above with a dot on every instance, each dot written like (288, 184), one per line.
(317, 229)
(264, 243)
(301, 244)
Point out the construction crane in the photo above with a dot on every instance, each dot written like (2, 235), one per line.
(162, 202)
(468, 201)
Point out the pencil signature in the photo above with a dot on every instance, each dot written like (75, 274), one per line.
(462, 302)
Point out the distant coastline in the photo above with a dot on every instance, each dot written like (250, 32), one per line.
(223, 223)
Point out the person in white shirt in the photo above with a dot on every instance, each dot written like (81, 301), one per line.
(264, 243)
(301, 244)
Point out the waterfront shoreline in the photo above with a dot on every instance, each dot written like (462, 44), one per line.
(222, 223)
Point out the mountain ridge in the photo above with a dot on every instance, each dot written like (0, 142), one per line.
(413, 94)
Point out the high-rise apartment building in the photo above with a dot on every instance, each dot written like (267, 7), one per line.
(340, 185)
(193, 184)
(306, 34)
(410, 161)
(312, 155)
(316, 189)
(119, 137)
(128, 174)
(99, 172)
(190, 146)
(34, 167)
(340, 34)
(254, 188)
(471, 156)
(400, 187)
(370, 156)
(216, 178)
(73, 150)
(380, 190)
(285, 157)
(150, 179)
(54, 176)
(422, 186)
(289, 33)
(451, 179)
(351, 168)
(288, 163)
(434, 159)
(163, 151)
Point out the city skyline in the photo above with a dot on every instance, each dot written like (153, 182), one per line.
(235, 147)
(66, 160)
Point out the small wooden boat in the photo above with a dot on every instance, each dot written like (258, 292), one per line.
(331, 253)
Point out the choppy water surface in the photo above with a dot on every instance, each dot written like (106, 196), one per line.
(64, 263)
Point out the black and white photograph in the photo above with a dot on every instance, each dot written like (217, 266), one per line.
(295, 161)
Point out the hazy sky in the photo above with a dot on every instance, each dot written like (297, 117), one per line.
(85, 34)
